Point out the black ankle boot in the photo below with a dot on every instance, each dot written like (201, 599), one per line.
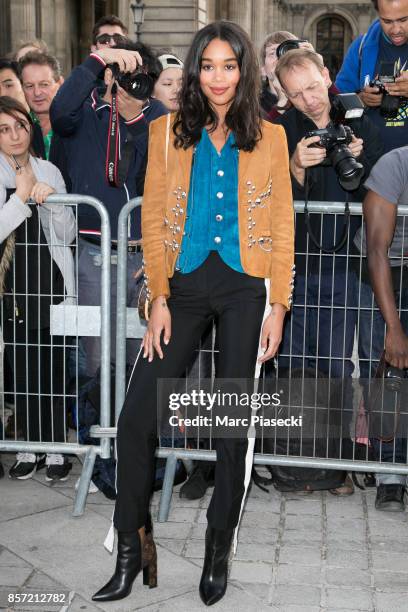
(213, 582)
(130, 561)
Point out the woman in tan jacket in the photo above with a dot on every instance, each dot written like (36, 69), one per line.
(217, 223)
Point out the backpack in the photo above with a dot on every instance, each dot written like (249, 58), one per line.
(311, 397)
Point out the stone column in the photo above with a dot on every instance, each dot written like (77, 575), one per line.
(211, 11)
(63, 35)
(5, 27)
(125, 15)
(259, 22)
(86, 26)
(50, 27)
(241, 12)
(22, 18)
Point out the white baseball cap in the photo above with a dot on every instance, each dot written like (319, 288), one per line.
(170, 61)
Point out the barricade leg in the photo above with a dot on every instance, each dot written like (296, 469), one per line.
(84, 482)
(167, 490)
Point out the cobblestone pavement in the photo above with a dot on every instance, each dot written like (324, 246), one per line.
(296, 553)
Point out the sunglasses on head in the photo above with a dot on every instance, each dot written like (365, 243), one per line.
(104, 39)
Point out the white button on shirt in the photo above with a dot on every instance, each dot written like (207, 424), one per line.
(220, 173)
(219, 217)
(220, 195)
(217, 240)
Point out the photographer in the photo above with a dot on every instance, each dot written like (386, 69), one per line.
(273, 100)
(376, 68)
(386, 243)
(81, 115)
(320, 333)
(108, 31)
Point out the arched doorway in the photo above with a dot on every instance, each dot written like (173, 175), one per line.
(333, 36)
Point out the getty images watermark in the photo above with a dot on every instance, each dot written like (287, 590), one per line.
(223, 408)
(224, 399)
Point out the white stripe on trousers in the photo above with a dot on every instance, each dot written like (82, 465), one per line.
(109, 542)
(249, 457)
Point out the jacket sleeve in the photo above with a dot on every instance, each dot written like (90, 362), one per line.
(61, 217)
(153, 214)
(67, 107)
(282, 224)
(12, 213)
(348, 79)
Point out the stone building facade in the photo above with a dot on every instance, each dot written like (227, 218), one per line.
(66, 25)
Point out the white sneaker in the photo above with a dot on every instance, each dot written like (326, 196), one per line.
(26, 465)
(58, 467)
(92, 487)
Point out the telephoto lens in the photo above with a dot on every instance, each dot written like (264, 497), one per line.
(139, 84)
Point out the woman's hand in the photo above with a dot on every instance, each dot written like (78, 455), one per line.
(159, 321)
(25, 181)
(271, 336)
(40, 192)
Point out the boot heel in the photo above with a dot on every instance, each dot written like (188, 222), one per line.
(150, 574)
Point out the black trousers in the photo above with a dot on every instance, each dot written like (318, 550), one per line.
(36, 382)
(237, 303)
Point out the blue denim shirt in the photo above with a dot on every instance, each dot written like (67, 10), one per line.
(212, 208)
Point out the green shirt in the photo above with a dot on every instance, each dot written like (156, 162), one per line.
(47, 138)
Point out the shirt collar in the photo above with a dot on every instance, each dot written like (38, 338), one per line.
(97, 100)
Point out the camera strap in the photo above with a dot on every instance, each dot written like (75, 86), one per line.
(346, 223)
(117, 166)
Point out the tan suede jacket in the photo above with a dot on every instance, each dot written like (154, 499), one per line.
(265, 211)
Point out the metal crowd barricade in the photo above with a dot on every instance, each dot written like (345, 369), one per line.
(129, 325)
(45, 399)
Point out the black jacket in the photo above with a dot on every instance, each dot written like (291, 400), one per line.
(323, 186)
(80, 117)
(297, 125)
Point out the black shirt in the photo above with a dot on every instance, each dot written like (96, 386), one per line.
(324, 186)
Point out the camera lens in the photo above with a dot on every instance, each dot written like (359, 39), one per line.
(349, 171)
(390, 106)
(139, 85)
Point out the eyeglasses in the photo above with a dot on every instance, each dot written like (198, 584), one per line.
(104, 39)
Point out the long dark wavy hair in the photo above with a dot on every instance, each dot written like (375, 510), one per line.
(243, 117)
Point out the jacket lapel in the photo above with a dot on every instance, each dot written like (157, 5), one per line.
(243, 162)
(184, 158)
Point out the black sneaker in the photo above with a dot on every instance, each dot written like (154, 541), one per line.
(390, 498)
(58, 467)
(26, 465)
(200, 479)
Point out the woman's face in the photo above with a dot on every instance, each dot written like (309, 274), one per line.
(14, 134)
(270, 61)
(167, 88)
(219, 74)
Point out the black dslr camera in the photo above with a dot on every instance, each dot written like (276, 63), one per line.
(138, 84)
(389, 104)
(393, 378)
(288, 45)
(336, 138)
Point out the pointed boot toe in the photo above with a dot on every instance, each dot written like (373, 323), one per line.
(130, 561)
(213, 582)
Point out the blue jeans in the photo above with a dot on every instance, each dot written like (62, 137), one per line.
(319, 334)
(89, 293)
(371, 337)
